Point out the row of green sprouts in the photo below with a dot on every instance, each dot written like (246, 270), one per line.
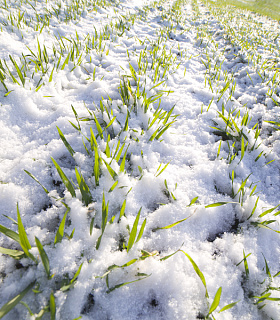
(38, 17)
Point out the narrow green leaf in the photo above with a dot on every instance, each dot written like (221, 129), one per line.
(16, 254)
(77, 273)
(110, 170)
(44, 257)
(93, 141)
(161, 171)
(242, 148)
(99, 129)
(96, 166)
(60, 232)
(52, 306)
(86, 195)
(268, 211)
(133, 232)
(246, 264)
(169, 256)
(171, 225)
(13, 302)
(216, 301)
(72, 282)
(35, 179)
(125, 283)
(24, 242)
(267, 271)
(113, 186)
(104, 214)
(10, 233)
(228, 306)
(67, 145)
(254, 209)
(198, 272)
(111, 122)
(51, 75)
(126, 122)
(193, 201)
(243, 259)
(141, 230)
(91, 226)
(65, 180)
(122, 210)
(167, 126)
(122, 166)
(217, 204)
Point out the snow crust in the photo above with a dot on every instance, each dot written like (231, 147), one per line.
(216, 238)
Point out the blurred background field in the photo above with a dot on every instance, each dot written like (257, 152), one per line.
(269, 8)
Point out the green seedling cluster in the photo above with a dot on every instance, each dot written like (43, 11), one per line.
(109, 131)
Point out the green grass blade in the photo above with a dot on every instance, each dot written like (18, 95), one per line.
(16, 254)
(122, 166)
(216, 301)
(13, 302)
(65, 180)
(44, 257)
(228, 306)
(60, 232)
(126, 122)
(91, 225)
(110, 170)
(193, 201)
(198, 272)
(161, 171)
(99, 129)
(169, 256)
(111, 122)
(77, 273)
(18, 70)
(72, 282)
(24, 242)
(122, 210)
(217, 204)
(86, 195)
(104, 214)
(96, 166)
(133, 232)
(268, 211)
(35, 179)
(113, 186)
(171, 225)
(67, 145)
(52, 306)
(141, 230)
(126, 283)
(10, 233)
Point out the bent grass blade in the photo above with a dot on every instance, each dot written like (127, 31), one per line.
(44, 257)
(24, 242)
(67, 145)
(60, 232)
(65, 180)
(133, 232)
(10, 233)
(35, 179)
(13, 302)
(198, 272)
(126, 283)
(86, 195)
(15, 254)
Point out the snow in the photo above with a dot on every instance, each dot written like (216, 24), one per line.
(201, 161)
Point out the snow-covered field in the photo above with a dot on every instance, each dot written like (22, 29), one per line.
(139, 156)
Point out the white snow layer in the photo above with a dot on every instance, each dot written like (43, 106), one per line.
(210, 65)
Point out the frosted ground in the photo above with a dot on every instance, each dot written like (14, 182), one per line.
(110, 107)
